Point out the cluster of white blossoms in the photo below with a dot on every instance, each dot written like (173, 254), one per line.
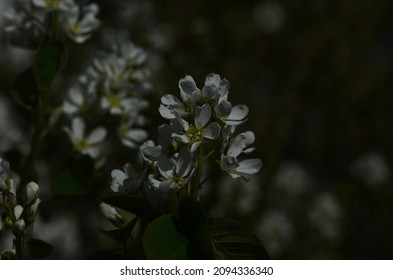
(200, 124)
(115, 84)
(31, 17)
(200, 134)
(17, 213)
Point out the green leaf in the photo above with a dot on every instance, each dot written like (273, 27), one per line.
(194, 225)
(131, 203)
(39, 248)
(66, 183)
(24, 89)
(233, 240)
(122, 234)
(47, 63)
(162, 240)
(77, 180)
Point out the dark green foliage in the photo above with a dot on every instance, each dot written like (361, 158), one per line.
(47, 63)
(163, 241)
(233, 240)
(122, 234)
(39, 248)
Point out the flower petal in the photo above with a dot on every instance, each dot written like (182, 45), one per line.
(137, 135)
(212, 131)
(223, 109)
(202, 115)
(240, 142)
(238, 113)
(184, 163)
(118, 178)
(250, 166)
(96, 136)
(165, 167)
(78, 128)
(152, 153)
(170, 99)
(166, 113)
(187, 87)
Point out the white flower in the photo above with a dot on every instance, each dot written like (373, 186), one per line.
(372, 168)
(77, 101)
(172, 107)
(325, 215)
(174, 173)
(291, 178)
(80, 23)
(89, 145)
(195, 134)
(126, 181)
(276, 231)
(230, 162)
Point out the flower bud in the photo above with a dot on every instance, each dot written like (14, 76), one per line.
(31, 193)
(31, 212)
(18, 210)
(112, 214)
(19, 228)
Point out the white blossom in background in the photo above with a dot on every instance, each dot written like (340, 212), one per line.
(291, 178)
(276, 231)
(129, 134)
(269, 16)
(27, 19)
(78, 100)
(372, 168)
(89, 145)
(325, 215)
(114, 83)
(237, 196)
(22, 17)
(79, 22)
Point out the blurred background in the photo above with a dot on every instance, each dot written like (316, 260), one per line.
(317, 77)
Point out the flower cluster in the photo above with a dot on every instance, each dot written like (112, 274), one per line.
(115, 84)
(34, 18)
(17, 214)
(200, 134)
(200, 124)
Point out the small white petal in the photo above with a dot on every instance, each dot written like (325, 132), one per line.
(212, 131)
(137, 135)
(97, 136)
(78, 128)
(187, 88)
(165, 167)
(118, 178)
(238, 113)
(202, 115)
(249, 166)
(166, 113)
